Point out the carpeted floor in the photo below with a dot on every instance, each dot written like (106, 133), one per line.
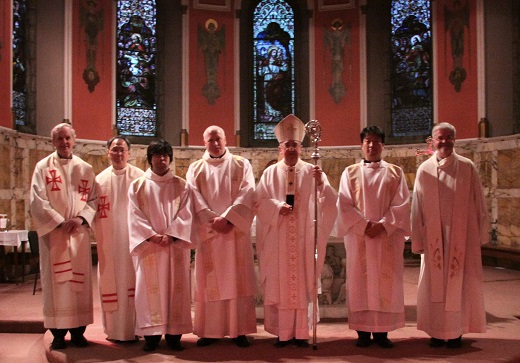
(20, 312)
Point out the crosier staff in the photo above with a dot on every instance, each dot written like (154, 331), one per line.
(313, 129)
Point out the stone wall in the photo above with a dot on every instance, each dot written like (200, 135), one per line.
(497, 159)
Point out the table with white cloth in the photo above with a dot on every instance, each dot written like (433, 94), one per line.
(15, 238)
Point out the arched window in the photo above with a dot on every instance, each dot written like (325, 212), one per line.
(23, 49)
(136, 98)
(411, 67)
(274, 63)
(19, 62)
(273, 71)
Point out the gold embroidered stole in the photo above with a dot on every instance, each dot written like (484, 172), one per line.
(292, 238)
(391, 181)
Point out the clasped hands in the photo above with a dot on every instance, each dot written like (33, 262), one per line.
(162, 239)
(221, 225)
(374, 229)
(72, 225)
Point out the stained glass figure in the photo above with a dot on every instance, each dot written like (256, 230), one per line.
(273, 29)
(136, 68)
(19, 90)
(412, 110)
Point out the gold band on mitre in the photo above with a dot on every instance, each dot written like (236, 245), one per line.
(290, 128)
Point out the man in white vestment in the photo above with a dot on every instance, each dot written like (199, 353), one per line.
(116, 274)
(61, 189)
(159, 219)
(373, 219)
(225, 282)
(285, 239)
(449, 225)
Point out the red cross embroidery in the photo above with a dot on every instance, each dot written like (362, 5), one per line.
(83, 190)
(54, 180)
(103, 207)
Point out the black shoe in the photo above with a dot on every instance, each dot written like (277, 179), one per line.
(241, 341)
(79, 341)
(382, 340)
(384, 343)
(301, 343)
(281, 343)
(363, 339)
(150, 346)
(122, 342)
(436, 343)
(454, 343)
(58, 343)
(363, 342)
(173, 341)
(204, 342)
(176, 345)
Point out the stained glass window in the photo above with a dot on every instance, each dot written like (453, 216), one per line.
(19, 62)
(412, 109)
(136, 68)
(273, 43)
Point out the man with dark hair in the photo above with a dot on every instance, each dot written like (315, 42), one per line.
(373, 219)
(159, 219)
(61, 190)
(116, 274)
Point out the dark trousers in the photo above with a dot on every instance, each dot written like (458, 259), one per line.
(60, 333)
(365, 335)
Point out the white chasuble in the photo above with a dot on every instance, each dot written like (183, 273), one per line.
(286, 244)
(61, 189)
(225, 279)
(449, 224)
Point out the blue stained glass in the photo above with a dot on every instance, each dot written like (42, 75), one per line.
(273, 29)
(136, 68)
(19, 91)
(412, 106)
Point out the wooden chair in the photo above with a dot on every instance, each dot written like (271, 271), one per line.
(35, 251)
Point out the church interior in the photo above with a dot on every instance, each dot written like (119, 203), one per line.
(168, 69)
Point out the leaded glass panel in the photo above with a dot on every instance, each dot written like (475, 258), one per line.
(19, 90)
(136, 68)
(412, 111)
(273, 39)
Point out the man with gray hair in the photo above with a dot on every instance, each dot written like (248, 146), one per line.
(449, 224)
(61, 189)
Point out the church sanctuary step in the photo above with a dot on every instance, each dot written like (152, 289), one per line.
(20, 310)
(499, 256)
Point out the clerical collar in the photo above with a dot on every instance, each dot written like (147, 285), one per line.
(368, 162)
(217, 157)
(62, 158)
